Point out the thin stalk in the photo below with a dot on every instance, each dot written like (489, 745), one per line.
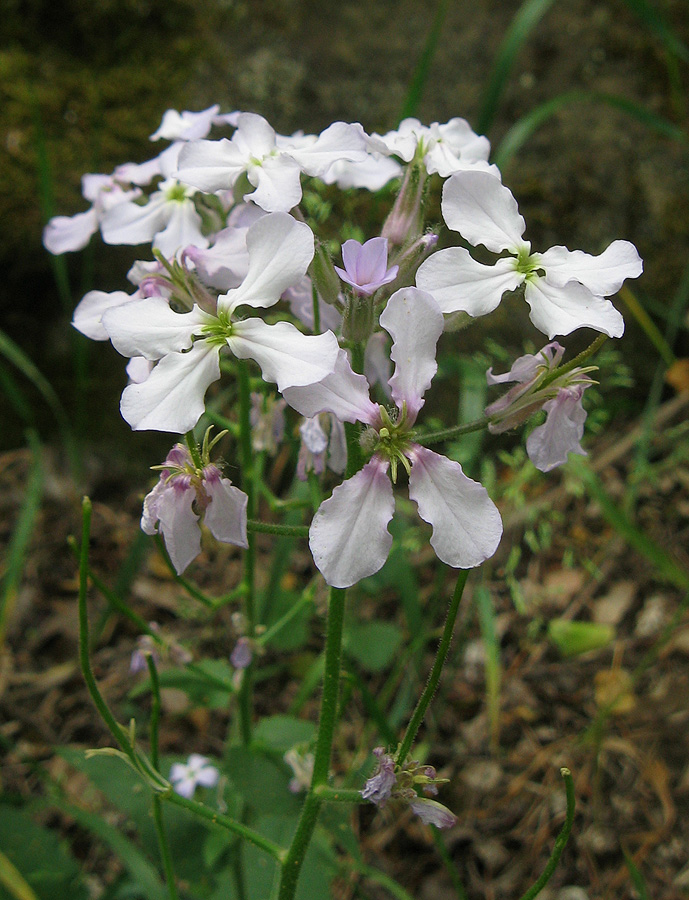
(339, 795)
(249, 597)
(578, 360)
(241, 830)
(561, 840)
(434, 678)
(294, 610)
(253, 526)
(102, 707)
(434, 437)
(158, 819)
(326, 727)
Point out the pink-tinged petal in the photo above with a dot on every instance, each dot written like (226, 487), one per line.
(466, 523)
(526, 367)
(349, 537)
(64, 234)
(340, 141)
(210, 165)
(365, 265)
(458, 282)
(482, 210)
(182, 230)
(433, 813)
(548, 445)
(278, 184)
(172, 397)
(285, 355)
(226, 264)
(178, 524)
(89, 312)
(560, 310)
(280, 250)
(129, 223)
(150, 328)
(225, 516)
(414, 321)
(602, 275)
(343, 393)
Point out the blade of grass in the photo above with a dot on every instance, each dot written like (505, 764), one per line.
(522, 130)
(666, 567)
(21, 535)
(13, 880)
(16, 356)
(528, 16)
(423, 67)
(653, 20)
(647, 325)
(636, 877)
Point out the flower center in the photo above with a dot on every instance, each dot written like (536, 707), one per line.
(219, 329)
(392, 439)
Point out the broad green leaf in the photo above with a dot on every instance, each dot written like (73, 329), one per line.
(279, 733)
(373, 644)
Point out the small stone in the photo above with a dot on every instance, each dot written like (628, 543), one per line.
(611, 609)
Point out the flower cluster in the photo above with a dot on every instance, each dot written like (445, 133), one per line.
(235, 274)
(402, 782)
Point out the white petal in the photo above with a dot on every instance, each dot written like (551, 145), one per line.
(89, 312)
(466, 523)
(210, 165)
(129, 223)
(254, 136)
(64, 234)
(549, 445)
(559, 310)
(225, 516)
(458, 282)
(150, 328)
(349, 537)
(171, 398)
(285, 355)
(414, 321)
(339, 141)
(179, 525)
(344, 393)
(482, 210)
(280, 251)
(602, 275)
(182, 230)
(278, 184)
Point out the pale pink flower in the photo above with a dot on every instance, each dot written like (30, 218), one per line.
(366, 265)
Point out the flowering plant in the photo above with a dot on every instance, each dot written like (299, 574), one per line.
(237, 274)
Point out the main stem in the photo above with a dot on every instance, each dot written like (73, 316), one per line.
(434, 677)
(321, 765)
(246, 690)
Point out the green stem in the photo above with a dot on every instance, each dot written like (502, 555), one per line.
(193, 448)
(578, 360)
(434, 437)
(434, 677)
(339, 795)
(294, 610)
(155, 710)
(242, 831)
(247, 457)
(321, 765)
(561, 840)
(115, 730)
(256, 527)
(164, 847)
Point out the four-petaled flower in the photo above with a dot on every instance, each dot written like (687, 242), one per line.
(196, 771)
(366, 265)
(565, 289)
(348, 537)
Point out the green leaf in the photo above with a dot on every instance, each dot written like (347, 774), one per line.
(39, 858)
(279, 733)
(573, 638)
(373, 644)
(262, 782)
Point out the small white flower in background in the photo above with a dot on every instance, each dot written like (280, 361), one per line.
(564, 289)
(242, 654)
(323, 442)
(191, 126)
(300, 762)
(447, 148)
(183, 494)
(197, 771)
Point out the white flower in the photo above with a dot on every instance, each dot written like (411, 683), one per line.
(188, 345)
(198, 770)
(565, 289)
(190, 126)
(349, 538)
(273, 164)
(444, 149)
